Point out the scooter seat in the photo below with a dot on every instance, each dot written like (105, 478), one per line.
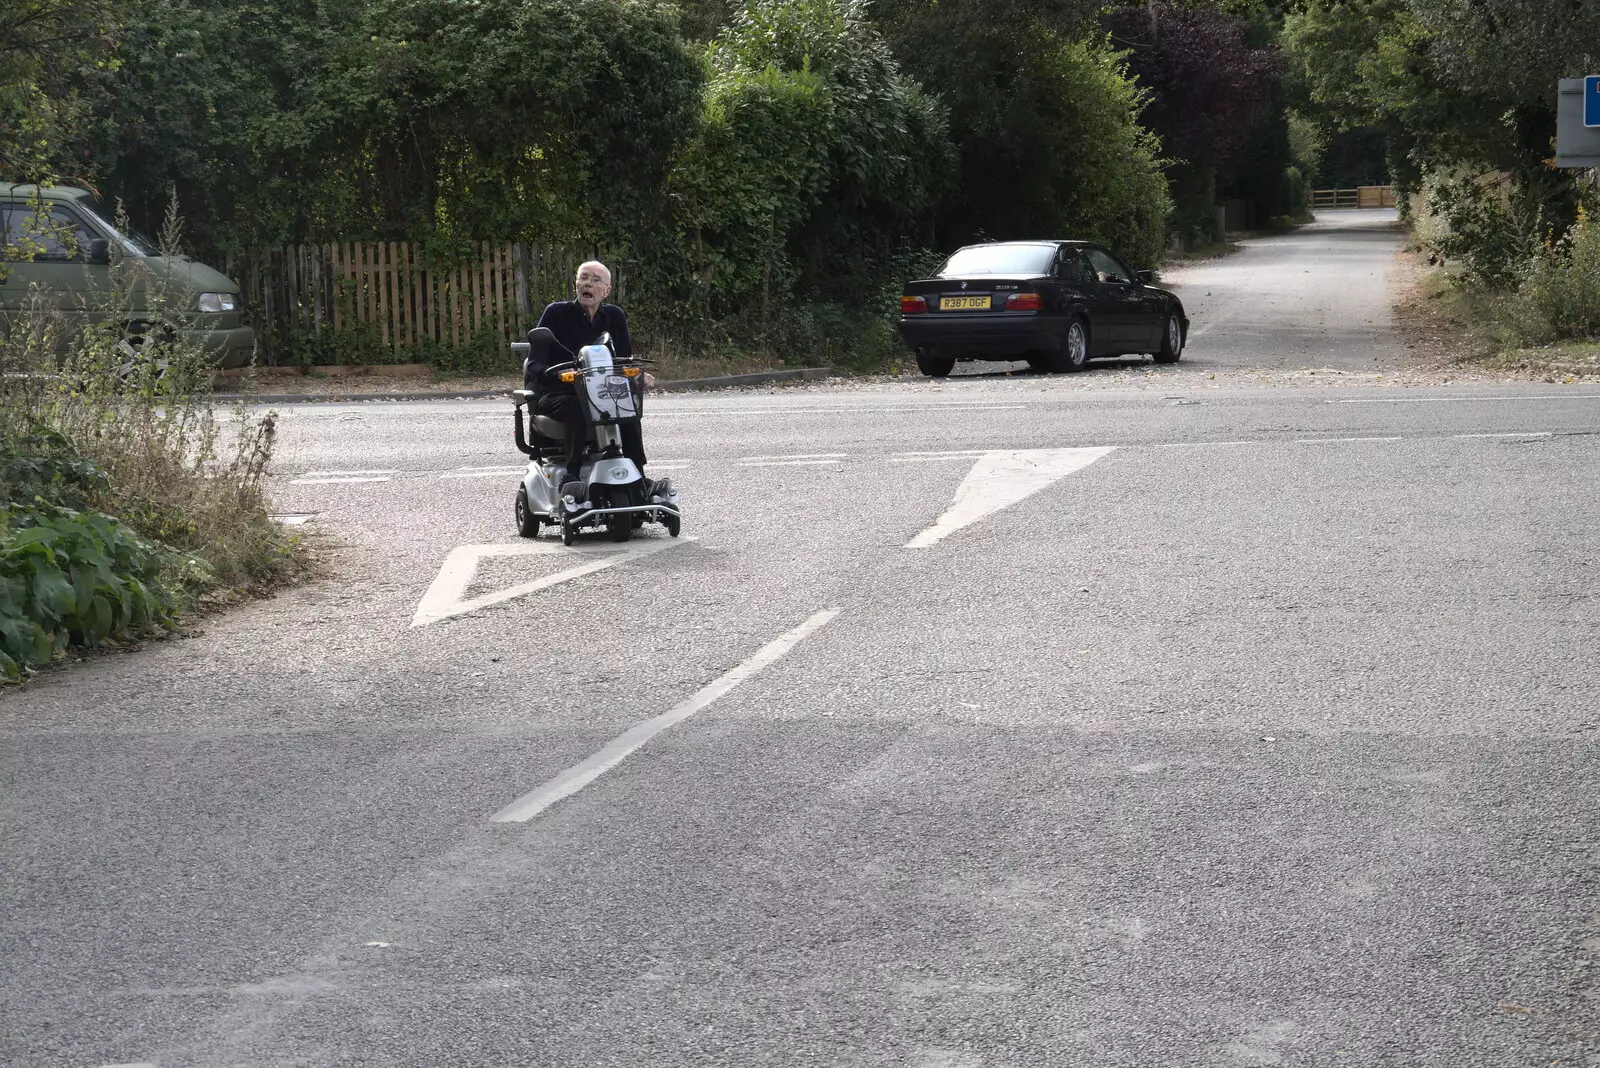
(547, 427)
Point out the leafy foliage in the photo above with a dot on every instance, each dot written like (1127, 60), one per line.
(73, 578)
(1045, 123)
(814, 158)
(390, 118)
(51, 52)
(1558, 291)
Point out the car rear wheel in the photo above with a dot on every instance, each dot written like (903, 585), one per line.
(935, 366)
(1074, 354)
(1171, 341)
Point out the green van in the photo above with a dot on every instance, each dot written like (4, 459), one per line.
(60, 239)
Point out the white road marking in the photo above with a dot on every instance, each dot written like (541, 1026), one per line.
(1194, 444)
(625, 744)
(1327, 441)
(1464, 399)
(946, 452)
(1525, 434)
(338, 481)
(933, 459)
(293, 519)
(797, 456)
(502, 473)
(1001, 479)
(790, 463)
(344, 474)
(857, 411)
(134, 1064)
(446, 597)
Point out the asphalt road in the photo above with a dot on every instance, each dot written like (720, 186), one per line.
(1206, 723)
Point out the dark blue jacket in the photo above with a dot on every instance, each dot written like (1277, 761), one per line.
(574, 329)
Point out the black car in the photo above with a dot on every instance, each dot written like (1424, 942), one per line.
(1056, 304)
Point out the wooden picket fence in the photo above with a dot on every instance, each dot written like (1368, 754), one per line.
(401, 301)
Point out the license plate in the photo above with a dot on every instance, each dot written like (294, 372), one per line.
(964, 303)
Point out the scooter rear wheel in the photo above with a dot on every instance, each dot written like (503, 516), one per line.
(527, 522)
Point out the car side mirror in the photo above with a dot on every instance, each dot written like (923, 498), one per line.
(1145, 277)
(98, 253)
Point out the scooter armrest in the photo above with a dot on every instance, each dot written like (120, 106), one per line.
(522, 396)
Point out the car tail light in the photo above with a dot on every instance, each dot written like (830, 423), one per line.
(912, 305)
(1024, 302)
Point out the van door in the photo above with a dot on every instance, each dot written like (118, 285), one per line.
(47, 245)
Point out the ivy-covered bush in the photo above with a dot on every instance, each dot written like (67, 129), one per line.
(70, 575)
(73, 578)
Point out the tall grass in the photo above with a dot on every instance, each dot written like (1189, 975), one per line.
(110, 389)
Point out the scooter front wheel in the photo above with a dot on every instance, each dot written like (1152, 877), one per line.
(569, 534)
(673, 524)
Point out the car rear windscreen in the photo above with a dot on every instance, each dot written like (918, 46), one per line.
(1000, 259)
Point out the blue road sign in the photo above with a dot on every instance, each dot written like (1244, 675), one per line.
(1591, 100)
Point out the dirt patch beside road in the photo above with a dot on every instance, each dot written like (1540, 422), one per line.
(1447, 344)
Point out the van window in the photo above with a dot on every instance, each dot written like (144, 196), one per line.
(52, 236)
(133, 242)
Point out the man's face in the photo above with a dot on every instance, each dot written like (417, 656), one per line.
(594, 285)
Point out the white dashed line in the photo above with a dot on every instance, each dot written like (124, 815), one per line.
(338, 481)
(629, 741)
(1336, 441)
(1195, 444)
(1526, 434)
(1464, 400)
(796, 456)
(342, 474)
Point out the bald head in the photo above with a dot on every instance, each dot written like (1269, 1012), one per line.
(593, 285)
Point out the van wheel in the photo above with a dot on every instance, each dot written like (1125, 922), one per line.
(935, 366)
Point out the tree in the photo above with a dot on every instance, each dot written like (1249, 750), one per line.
(51, 54)
(429, 120)
(1044, 119)
(1461, 91)
(815, 157)
(1207, 88)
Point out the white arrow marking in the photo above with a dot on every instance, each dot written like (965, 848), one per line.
(446, 598)
(1001, 479)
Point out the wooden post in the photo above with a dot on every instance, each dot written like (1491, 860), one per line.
(519, 255)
